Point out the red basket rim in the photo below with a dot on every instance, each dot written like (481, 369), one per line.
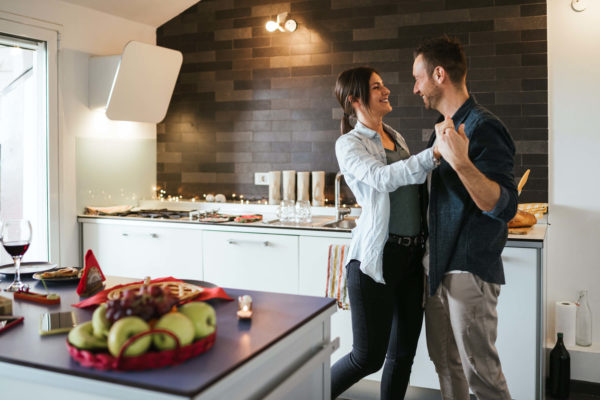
(148, 360)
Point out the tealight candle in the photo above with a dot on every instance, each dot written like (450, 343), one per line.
(244, 307)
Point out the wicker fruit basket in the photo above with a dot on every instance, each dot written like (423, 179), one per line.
(149, 360)
(182, 290)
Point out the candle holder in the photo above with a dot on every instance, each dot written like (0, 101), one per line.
(244, 307)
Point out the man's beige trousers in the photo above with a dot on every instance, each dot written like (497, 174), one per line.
(461, 326)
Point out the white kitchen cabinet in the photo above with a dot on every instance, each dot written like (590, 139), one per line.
(313, 258)
(518, 327)
(253, 261)
(139, 250)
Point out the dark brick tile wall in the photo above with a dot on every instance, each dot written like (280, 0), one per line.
(251, 101)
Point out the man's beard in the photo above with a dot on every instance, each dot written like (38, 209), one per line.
(432, 99)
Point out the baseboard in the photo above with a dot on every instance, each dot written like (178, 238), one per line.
(583, 387)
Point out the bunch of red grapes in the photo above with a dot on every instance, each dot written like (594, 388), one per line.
(147, 303)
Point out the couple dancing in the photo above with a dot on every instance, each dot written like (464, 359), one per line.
(433, 222)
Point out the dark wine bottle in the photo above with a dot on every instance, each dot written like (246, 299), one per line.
(560, 370)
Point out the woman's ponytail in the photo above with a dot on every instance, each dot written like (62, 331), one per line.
(345, 126)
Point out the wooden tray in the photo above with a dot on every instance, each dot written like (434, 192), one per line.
(183, 291)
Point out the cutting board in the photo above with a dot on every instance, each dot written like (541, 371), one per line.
(520, 231)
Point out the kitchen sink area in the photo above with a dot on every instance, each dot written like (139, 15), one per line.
(346, 223)
(319, 222)
(326, 218)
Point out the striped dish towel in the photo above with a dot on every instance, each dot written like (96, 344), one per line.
(336, 275)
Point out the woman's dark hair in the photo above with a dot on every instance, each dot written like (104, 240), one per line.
(447, 53)
(352, 84)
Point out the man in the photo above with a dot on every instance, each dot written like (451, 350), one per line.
(472, 197)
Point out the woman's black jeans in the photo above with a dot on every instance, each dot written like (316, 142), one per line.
(386, 322)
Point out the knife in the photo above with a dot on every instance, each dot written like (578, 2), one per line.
(523, 181)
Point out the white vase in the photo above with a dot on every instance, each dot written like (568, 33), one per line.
(274, 187)
(318, 188)
(289, 185)
(303, 181)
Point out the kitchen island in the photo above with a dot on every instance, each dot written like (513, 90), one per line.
(282, 352)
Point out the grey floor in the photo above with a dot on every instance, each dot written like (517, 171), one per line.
(369, 390)
(414, 393)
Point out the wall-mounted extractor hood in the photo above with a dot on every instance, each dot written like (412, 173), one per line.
(137, 85)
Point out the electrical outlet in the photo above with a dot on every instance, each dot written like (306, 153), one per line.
(261, 178)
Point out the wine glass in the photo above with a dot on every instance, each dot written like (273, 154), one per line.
(16, 237)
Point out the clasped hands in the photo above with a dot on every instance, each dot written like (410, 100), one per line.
(451, 144)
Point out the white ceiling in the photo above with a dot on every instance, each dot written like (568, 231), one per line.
(149, 12)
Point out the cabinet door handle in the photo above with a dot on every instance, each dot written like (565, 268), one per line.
(265, 243)
(152, 235)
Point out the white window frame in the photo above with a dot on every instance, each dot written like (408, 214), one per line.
(50, 33)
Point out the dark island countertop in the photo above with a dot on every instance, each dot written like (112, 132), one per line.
(275, 316)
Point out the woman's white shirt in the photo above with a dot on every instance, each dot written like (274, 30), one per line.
(362, 160)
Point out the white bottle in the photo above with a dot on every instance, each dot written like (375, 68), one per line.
(583, 330)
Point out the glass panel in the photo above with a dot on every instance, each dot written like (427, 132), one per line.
(24, 140)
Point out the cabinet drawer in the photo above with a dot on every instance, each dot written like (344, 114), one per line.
(251, 261)
(137, 252)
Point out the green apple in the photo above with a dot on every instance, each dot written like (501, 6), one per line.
(83, 338)
(177, 323)
(125, 328)
(203, 317)
(100, 323)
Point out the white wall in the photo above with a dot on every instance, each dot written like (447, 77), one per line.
(83, 33)
(574, 161)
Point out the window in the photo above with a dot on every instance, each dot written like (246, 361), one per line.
(27, 135)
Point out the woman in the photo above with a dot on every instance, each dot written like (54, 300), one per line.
(385, 272)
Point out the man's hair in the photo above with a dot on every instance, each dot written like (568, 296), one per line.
(447, 53)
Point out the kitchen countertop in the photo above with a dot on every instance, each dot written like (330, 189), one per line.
(268, 222)
(275, 317)
(534, 238)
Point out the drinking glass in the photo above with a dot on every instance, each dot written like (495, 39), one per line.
(303, 214)
(286, 211)
(16, 238)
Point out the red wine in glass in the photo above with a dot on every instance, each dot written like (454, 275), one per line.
(16, 249)
(16, 237)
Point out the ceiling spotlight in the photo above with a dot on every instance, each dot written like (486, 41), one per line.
(289, 24)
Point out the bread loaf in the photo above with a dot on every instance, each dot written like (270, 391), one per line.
(522, 219)
(66, 272)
